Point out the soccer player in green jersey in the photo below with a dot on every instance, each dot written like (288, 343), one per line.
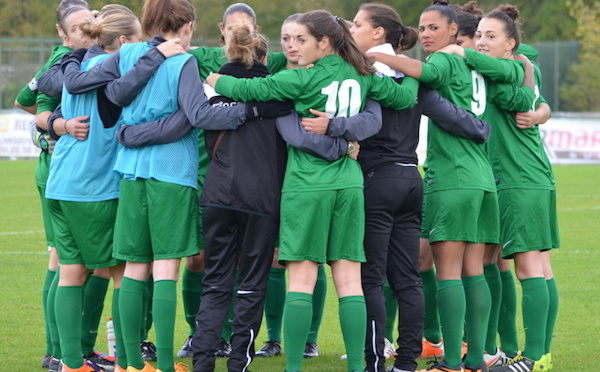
(322, 212)
(461, 207)
(526, 194)
(68, 14)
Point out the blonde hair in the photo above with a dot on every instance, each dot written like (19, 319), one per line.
(112, 21)
(245, 44)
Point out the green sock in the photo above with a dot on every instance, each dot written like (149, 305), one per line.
(391, 311)
(507, 317)
(116, 318)
(68, 309)
(552, 313)
(56, 352)
(535, 316)
(147, 309)
(492, 276)
(353, 321)
(227, 327)
(94, 292)
(478, 300)
(431, 328)
(451, 298)
(191, 291)
(274, 303)
(131, 314)
(45, 289)
(319, 297)
(297, 316)
(164, 306)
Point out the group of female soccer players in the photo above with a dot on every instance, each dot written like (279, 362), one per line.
(344, 191)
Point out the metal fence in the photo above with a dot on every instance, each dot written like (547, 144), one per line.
(21, 58)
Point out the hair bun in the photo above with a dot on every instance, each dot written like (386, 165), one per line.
(473, 8)
(510, 10)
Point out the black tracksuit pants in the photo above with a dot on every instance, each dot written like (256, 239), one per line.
(232, 239)
(393, 204)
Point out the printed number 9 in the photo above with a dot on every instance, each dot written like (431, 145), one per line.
(479, 96)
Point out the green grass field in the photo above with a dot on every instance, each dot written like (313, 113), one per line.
(23, 260)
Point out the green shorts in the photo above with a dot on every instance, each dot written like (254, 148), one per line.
(528, 221)
(84, 232)
(156, 221)
(462, 215)
(322, 226)
(47, 217)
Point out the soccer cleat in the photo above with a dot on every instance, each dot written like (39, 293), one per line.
(441, 366)
(431, 350)
(98, 360)
(86, 367)
(46, 359)
(147, 368)
(179, 367)
(271, 348)
(523, 364)
(497, 359)
(107, 357)
(548, 361)
(55, 365)
(482, 367)
(311, 350)
(224, 349)
(186, 349)
(148, 351)
(389, 351)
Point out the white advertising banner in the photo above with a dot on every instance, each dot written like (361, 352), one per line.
(568, 140)
(572, 140)
(15, 136)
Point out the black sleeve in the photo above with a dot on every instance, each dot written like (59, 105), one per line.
(198, 110)
(452, 118)
(360, 126)
(55, 115)
(51, 81)
(157, 132)
(292, 132)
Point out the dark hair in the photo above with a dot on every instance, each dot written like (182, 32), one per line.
(321, 23)
(162, 16)
(112, 21)
(68, 7)
(444, 9)
(245, 44)
(64, 6)
(468, 17)
(292, 18)
(381, 15)
(238, 8)
(509, 14)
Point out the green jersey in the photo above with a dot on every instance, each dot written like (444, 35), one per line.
(27, 97)
(332, 85)
(454, 162)
(44, 102)
(518, 158)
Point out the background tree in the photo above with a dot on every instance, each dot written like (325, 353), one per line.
(582, 87)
